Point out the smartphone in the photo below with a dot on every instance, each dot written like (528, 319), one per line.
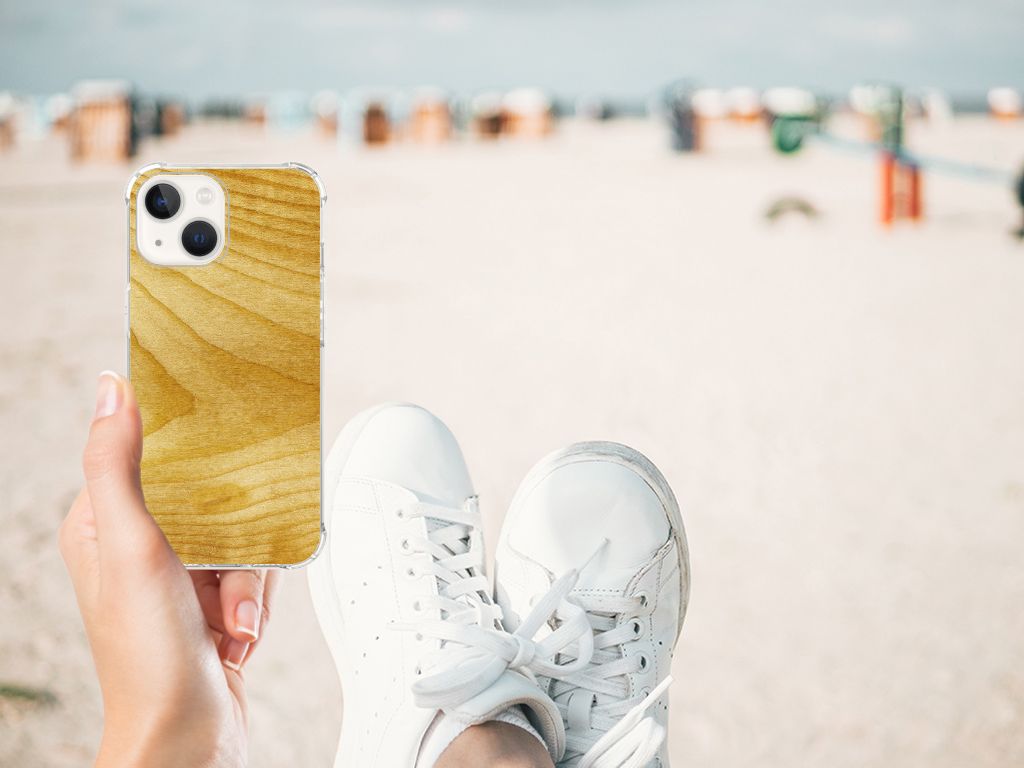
(224, 319)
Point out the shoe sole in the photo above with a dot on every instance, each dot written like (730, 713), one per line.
(634, 460)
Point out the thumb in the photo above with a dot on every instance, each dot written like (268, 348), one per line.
(111, 465)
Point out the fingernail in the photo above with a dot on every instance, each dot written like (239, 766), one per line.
(108, 395)
(247, 618)
(234, 654)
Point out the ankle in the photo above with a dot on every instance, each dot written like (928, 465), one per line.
(495, 744)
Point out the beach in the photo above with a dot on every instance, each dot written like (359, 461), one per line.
(839, 408)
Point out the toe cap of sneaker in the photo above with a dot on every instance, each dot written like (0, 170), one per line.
(561, 520)
(408, 446)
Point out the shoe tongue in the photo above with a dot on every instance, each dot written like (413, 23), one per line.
(435, 524)
(432, 524)
(512, 689)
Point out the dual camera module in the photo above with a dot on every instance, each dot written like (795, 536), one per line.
(181, 219)
(198, 237)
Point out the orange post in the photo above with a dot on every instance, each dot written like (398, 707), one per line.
(916, 208)
(886, 209)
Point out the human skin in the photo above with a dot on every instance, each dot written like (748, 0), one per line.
(169, 644)
(495, 744)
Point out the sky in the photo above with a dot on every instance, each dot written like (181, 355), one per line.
(619, 49)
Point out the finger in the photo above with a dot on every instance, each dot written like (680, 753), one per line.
(241, 600)
(232, 652)
(271, 584)
(78, 546)
(111, 464)
(207, 586)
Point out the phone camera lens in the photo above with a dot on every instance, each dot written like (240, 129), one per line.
(199, 238)
(162, 201)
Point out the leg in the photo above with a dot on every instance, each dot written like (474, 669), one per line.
(495, 744)
(401, 592)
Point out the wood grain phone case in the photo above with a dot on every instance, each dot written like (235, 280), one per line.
(225, 360)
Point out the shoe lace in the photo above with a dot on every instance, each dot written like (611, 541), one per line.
(474, 649)
(632, 742)
(605, 726)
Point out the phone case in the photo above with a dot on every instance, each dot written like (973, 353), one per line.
(225, 359)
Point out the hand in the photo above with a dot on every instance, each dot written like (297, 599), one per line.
(169, 644)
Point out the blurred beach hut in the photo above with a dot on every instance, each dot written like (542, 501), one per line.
(1005, 103)
(487, 116)
(171, 117)
(787, 101)
(145, 116)
(158, 117)
(7, 120)
(376, 124)
(527, 112)
(370, 116)
(254, 112)
(430, 117)
(324, 106)
(710, 104)
(58, 109)
(21, 117)
(101, 123)
(168, 117)
(743, 104)
(678, 110)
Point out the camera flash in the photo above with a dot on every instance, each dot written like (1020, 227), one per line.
(204, 195)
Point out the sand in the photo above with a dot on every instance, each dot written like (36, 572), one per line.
(840, 410)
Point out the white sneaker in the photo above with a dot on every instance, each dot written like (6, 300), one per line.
(403, 600)
(606, 506)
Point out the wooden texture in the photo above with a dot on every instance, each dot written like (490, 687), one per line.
(225, 359)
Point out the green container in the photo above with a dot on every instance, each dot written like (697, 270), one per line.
(788, 132)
